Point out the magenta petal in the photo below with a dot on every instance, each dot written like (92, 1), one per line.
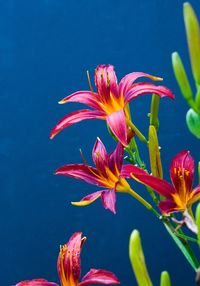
(167, 207)
(86, 97)
(36, 282)
(99, 276)
(162, 187)
(87, 200)
(182, 166)
(117, 124)
(106, 81)
(100, 156)
(72, 256)
(147, 88)
(116, 159)
(81, 172)
(109, 200)
(127, 170)
(75, 117)
(126, 82)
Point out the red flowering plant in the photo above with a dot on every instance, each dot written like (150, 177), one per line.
(111, 103)
(69, 268)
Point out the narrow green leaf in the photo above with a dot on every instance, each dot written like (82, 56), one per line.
(165, 279)
(138, 260)
(185, 249)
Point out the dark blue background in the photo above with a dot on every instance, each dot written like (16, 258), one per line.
(46, 46)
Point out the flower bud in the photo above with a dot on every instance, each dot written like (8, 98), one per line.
(193, 39)
(193, 122)
(137, 260)
(165, 279)
(181, 77)
(154, 153)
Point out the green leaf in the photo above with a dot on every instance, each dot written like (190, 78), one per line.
(185, 249)
(165, 279)
(138, 260)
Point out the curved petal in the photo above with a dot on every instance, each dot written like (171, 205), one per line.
(162, 187)
(109, 200)
(68, 263)
(116, 159)
(117, 124)
(75, 117)
(168, 206)
(87, 200)
(126, 82)
(127, 170)
(100, 156)
(146, 88)
(182, 170)
(194, 196)
(89, 98)
(81, 172)
(99, 276)
(36, 282)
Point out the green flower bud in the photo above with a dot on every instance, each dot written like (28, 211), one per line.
(165, 279)
(193, 122)
(137, 260)
(193, 39)
(181, 77)
(154, 153)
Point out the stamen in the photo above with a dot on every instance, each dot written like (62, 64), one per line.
(89, 81)
(82, 156)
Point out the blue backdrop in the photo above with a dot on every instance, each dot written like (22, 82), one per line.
(46, 46)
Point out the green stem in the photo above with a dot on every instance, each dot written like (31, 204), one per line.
(137, 154)
(183, 245)
(137, 132)
(154, 110)
(144, 202)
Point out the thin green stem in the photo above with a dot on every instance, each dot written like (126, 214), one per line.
(137, 132)
(144, 202)
(154, 111)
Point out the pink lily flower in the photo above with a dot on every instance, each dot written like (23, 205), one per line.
(69, 268)
(36, 282)
(110, 102)
(179, 195)
(109, 173)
